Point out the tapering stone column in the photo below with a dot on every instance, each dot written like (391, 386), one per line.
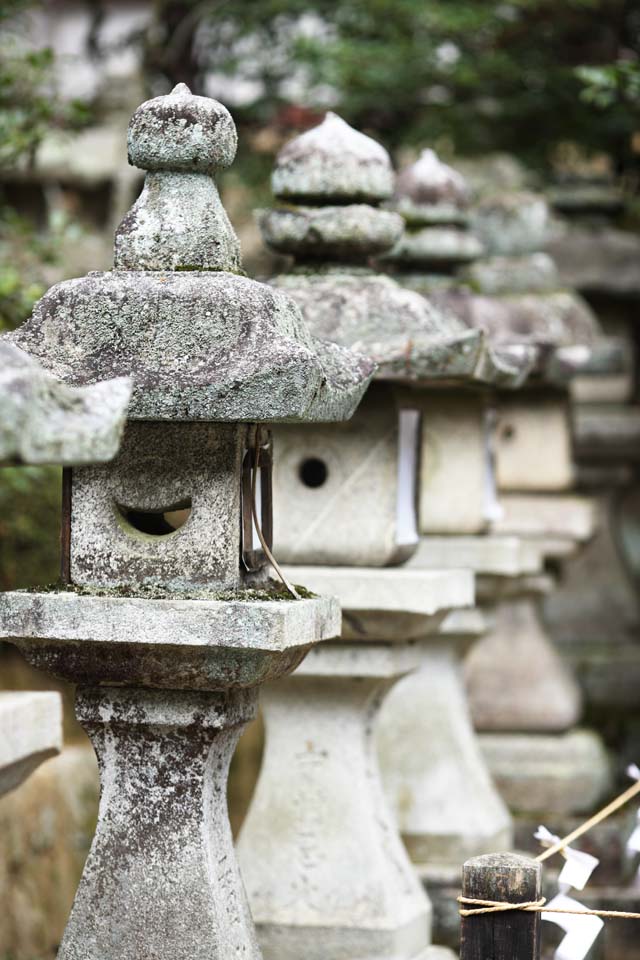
(354, 893)
(161, 871)
(168, 618)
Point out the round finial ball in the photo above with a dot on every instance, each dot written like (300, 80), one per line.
(182, 132)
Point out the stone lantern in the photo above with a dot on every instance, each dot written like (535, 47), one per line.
(434, 773)
(169, 619)
(330, 857)
(597, 628)
(517, 681)
(45, 422)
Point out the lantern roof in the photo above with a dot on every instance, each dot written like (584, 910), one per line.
(332, 178)
(200, 340)
(430, 191)
(44, 421)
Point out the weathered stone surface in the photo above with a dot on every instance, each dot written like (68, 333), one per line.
(532, 273)
(199, 346)
(30, 733)
(163, 758)
(182, 132)
(200, 342)
(569, 773)
(389, 604)
(497, 556)
(46, 828)
(598, 259)
(526, 425)
(333, 162)
(44, 421)
(547, 517)
(406, 336)
(456, 479)
(596, 628)
(177, 223)
(203, 644)
(352, 232)
(161, 467)
(347, 495)
(435, 777)
(430, 191)
(352, 306)
(511, 223)
(319, 850)
(515, 677)
(435, 245)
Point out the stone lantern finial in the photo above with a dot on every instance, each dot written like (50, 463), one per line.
(178, 222)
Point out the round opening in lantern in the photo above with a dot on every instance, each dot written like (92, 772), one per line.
(160, 522)
(313, 472)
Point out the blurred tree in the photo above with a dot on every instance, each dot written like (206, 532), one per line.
(478, 75)
(29, 109)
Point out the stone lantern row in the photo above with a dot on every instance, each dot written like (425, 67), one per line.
(377, 374)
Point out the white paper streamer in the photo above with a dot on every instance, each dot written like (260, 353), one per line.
(580, 932)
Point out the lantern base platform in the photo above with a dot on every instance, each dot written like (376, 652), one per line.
(548, 774)
(487, 554)
(560, 517)
(198, 644)
(30, 733)
(389, 603)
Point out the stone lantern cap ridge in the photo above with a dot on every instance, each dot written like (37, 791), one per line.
(332, 161)
(201, 341)
(44, 421)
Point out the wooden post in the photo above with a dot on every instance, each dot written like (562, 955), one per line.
(505, 935)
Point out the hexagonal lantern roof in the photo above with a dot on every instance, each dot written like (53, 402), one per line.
(200, 340)
(43, 421)
(333, 178)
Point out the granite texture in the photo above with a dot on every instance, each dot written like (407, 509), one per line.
(206, 643)
(351, 232)
(44, 421)
(161, 878)
(347, 304)
(200, 341)
(326, 873)
(333, 162)
(359, 509)
(198, 346)
(430, 191)
(512, 223)
(119, 535)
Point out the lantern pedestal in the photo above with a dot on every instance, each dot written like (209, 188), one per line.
(326, 871)
(30, 733)
(161, 878)
(435, 776)
(520, 688)
(434, 772)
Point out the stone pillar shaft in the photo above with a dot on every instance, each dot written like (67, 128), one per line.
(161, 878)
(435, 776)
(326, 873)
